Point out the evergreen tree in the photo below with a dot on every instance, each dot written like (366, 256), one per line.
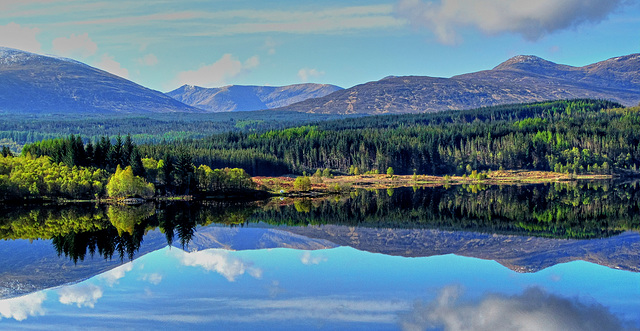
(136, 163)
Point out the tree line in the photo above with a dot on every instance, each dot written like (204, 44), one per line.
(18, 130)
(70, 168)
(569, 136)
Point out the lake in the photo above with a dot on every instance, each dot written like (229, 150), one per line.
(531, 257)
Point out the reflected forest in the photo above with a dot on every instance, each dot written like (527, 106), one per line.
(559, 210)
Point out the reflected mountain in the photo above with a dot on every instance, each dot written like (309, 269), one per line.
(525, 228)
(518, 253)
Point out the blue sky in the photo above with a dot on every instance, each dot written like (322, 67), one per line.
(164, 44)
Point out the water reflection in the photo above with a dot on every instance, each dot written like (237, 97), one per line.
(577, 211)
(218, 261)
(22, 307)
(348, 289)
(534, 309)
(518, 227)
(112, 276)
(85, 295)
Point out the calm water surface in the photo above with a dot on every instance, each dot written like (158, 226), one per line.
(465, 258)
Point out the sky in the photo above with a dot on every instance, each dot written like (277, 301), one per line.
(164, 44)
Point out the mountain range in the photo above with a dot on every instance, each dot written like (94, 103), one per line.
(38, 84)
(517, 80)
(246, 98)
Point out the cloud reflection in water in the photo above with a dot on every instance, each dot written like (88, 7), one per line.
(22, 307)
(309, 259)
(112, 276)
(534, 309)
(219, 261)
(85, 295)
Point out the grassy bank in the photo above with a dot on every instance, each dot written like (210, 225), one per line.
(337, 184)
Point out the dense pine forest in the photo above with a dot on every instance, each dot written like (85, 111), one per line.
(575, 136)
(569, 136)
(16, 131)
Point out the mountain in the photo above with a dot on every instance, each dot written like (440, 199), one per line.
(37, 84)
(517, 80)
(245, 98)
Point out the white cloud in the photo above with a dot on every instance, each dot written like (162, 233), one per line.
(219, 261)
(13, 35)
(112, 276)
(250, 21)
(154, 278)
(218, 73)
(76, 45)
(139, 20)
(308, 259)
(270, 45)
(109, 64)
(22, 307)
(530, 19)
(305, 74)
(7, 4)
(148, 60)
(80, 295)
(532, 310)
(252, 62)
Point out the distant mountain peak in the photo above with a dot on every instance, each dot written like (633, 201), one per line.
(525, 62)
(526, 59)
(630, 57)
(188, 88)
(9, 56)
(248, 97)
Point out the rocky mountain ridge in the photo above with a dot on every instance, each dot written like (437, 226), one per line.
(37, 84)
(521, 79)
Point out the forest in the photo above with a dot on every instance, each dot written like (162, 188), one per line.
(16, 131)
(567, 136)
(70, 169)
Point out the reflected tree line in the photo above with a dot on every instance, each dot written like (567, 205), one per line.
(558, 210)
(555, 210)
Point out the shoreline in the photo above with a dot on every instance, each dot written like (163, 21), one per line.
(344, 184)
(283, 186)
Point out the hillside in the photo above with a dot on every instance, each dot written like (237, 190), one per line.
(247, 98)
(517, 80)
(37, 84)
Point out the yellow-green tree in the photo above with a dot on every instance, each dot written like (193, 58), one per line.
(390, 172)
(124, 184)
(210, 180)
(302, 183)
